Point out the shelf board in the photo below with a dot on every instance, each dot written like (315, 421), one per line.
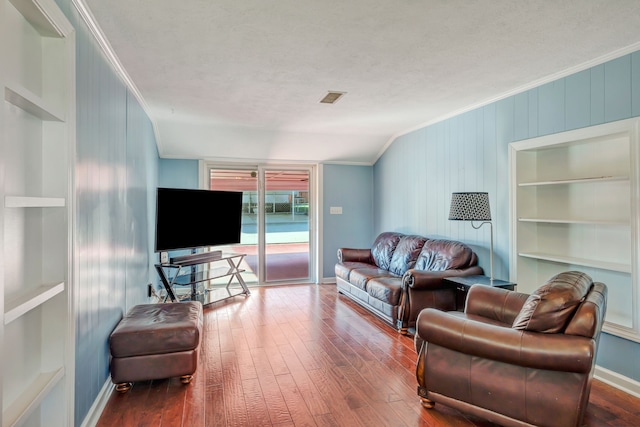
(31, 398)
(44, 16)
(576, 180)
(33, 202)
(575, 221)
(185, 279)
(29, 300)
(31, 103)
(612, 266)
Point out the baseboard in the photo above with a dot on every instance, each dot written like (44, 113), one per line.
(618, 381)
(96, 409)
(328, 281)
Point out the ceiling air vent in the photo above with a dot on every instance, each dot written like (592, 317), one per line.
(332, 97)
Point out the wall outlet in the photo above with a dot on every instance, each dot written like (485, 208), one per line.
(164, 257)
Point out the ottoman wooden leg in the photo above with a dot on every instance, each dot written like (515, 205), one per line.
(186, 379)
(426, 403)
(123, 387)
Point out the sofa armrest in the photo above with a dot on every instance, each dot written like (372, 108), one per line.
(557, 352)
(498, 304)
(427, 279)
(354, 255)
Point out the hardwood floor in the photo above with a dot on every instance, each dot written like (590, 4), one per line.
(306, 356)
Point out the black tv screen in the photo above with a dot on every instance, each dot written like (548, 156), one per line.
(188, 219)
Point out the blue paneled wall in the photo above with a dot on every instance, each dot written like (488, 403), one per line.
(351, 188)
(116, 176)
(415, 177)
(177, 173)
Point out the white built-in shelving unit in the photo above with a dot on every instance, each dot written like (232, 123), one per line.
(37, 145)
(574, 206)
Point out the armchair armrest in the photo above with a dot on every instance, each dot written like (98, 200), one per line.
(354, 255)
(427, 279)
(557, 352)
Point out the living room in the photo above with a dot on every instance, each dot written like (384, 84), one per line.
(406, 188)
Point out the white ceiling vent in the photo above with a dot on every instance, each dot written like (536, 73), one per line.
(332, 97)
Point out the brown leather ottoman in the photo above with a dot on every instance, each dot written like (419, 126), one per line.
(155, 341)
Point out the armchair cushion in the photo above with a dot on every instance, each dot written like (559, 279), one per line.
(550, 307)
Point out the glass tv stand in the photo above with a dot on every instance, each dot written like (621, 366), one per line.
(220, 281)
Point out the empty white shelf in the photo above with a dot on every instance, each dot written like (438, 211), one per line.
(32, 103)
(576, 221)
(31, 398)
(612, 266)
(576, 180)
(31, 299)
(33, 202)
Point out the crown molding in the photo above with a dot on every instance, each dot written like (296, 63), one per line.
(520, 89)
(88, 18)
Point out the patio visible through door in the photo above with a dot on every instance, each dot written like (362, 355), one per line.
(275, 221)
(286, 207)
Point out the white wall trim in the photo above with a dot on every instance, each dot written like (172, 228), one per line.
(88, 18)
(618, 381)
(536, 83)
(96, 409)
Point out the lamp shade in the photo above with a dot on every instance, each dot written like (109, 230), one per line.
(470, 207)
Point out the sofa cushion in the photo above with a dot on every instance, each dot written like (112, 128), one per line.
(406, 254)
(440, 255)
(383, 248)
(343, 269)
(360, 276)
(385, 289)
(551, 306)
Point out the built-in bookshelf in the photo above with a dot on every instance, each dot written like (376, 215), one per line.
(37, 72)
(574, 206)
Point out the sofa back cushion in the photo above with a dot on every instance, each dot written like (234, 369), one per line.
(406, 254)
(552, 305)
(383, 248)
(439, 255)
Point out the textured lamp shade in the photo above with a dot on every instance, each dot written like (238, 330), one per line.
(470, 207)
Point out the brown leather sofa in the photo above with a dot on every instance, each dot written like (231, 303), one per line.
(402, 274)
(512, 358)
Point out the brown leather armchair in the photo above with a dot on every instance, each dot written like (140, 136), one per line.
(512, 358)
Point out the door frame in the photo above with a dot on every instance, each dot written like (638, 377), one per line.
(314, 170)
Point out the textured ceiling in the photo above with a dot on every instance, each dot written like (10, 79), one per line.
(243, 79)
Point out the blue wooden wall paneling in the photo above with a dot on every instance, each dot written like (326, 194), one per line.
(116, 174)
(597, 95)
(578, 95)
(617, 89)
(457, 159)
(635, 84)
(349, 187)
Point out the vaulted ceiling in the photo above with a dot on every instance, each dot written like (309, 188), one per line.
(242, 79)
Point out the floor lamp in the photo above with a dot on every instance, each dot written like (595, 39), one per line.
(474, 206)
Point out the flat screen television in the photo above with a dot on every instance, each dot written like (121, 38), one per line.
(187, 219)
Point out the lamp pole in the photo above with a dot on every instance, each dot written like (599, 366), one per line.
(491, 242)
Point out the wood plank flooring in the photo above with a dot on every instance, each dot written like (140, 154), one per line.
(305, 356)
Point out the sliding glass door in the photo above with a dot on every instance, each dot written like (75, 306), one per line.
(286, 219)
(245, 180)
(276, 226)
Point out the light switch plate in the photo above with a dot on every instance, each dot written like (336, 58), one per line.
(335, 210)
